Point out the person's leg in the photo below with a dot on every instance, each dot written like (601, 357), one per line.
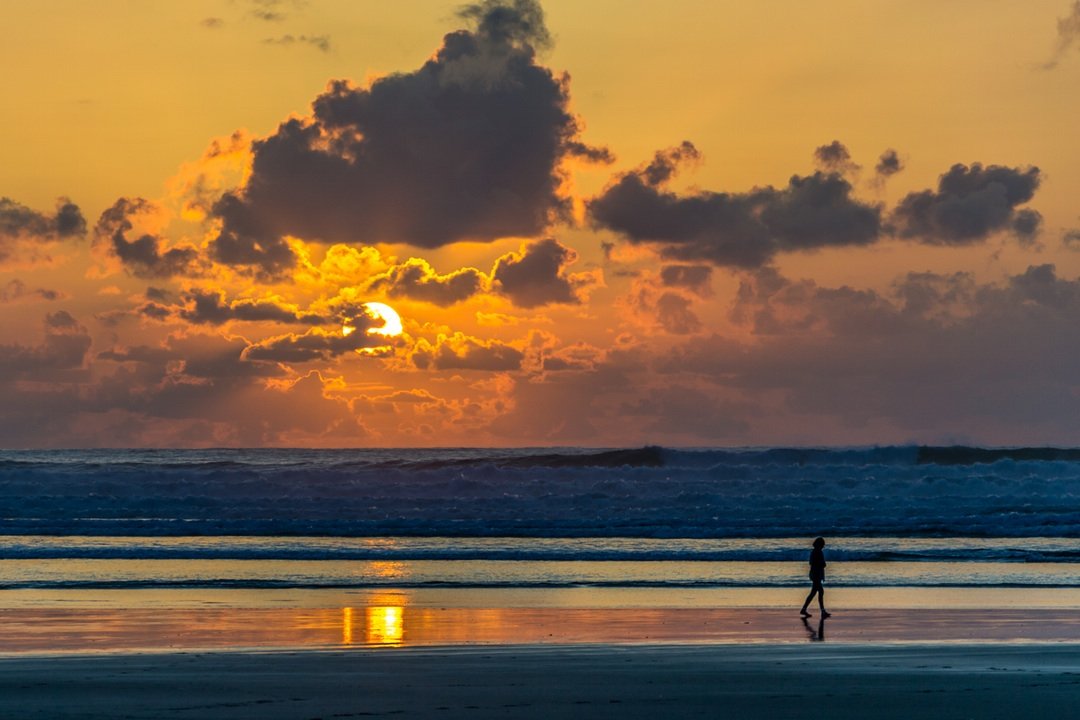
(821, 599)
(809, 598)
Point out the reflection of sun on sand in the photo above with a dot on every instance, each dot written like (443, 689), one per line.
(385, 625)
(390, 326)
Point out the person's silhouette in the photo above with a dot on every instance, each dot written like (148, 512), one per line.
(817, 577)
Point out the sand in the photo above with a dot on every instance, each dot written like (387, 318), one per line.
(556, 681)
(104, 630)
(559, 654)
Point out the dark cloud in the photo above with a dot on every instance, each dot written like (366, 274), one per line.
(155, 311)
(888, 164)
(204, 379)
(695, 278)
(319, 42)
(211, 307)
(417, 279)
(191, 390)
(17, 220)
(537, 275)
(64, 348)
(21, 226)
(734, 229)
(969, 205)
(460, 352)
(468, 147)
(1026, 224)
(1068, 28)
(319, 344)
(245, 241)
(674, 314)
(194, 359)
(211, 23)
(748, 229)
(145, 255)
(1071, 239)
(509, 22)
(935, 356)
(16, 290)
(159, 294)
(835, 157)
(666, 162)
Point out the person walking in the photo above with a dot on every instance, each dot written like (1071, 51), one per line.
(817, 577)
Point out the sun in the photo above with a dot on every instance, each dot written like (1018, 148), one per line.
(391, 320)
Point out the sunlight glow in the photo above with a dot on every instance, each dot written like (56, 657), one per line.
(385, 625)
(391, 326)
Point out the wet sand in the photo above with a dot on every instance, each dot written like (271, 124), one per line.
(556, 681)
(537, 654)
(107, 630)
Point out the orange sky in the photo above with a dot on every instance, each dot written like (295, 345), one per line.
(871, 236)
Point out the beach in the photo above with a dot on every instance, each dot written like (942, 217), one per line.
(609, 681)
(518, 584)
(447, 654)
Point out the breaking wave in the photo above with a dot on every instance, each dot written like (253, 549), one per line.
(651, 492)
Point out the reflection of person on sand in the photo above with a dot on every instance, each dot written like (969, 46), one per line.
(815, 635)
(817, 577)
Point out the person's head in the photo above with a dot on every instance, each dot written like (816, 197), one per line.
(819, 543)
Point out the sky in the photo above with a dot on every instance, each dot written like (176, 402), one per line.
(691, 223)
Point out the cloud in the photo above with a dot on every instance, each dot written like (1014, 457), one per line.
(23, 231)
(674, 313)
(417, 279)
(212, 23)
(695, 278)
(64, 348)
(937, 355)
(16, 291)
(969, 205)
(211, 307)
(1068, 28)
(1071, 239)
(155, 293)
(509, 22)
(199, 390)
(155, 311)
(747, 230)
(193, 360)
(18, 220)
(888, 164)
(666, 303)
(146, 255)
(273, 10)
(467, 147)
(319, 42)
(461, 352)
(835, 158)
(199, 184)
(320, 344)
(733, 229)
(245, 241)
(536, 275)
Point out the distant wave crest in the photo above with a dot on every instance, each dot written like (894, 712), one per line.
(562, 492)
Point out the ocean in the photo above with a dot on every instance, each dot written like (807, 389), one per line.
(544, 518)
